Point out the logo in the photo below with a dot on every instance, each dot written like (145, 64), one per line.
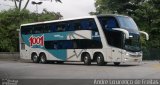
(58, 36)
(39, 40)
(9, 82)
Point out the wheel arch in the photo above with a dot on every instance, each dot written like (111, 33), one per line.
(42, 53)
(33, 53)
(82, 55)
(95, 55)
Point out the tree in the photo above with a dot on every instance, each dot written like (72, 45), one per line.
(9, 22)
(18, 3)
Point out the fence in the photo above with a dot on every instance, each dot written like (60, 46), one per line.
(151, 54)
(9, 55)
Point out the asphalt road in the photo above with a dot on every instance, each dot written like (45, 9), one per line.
(72, 70)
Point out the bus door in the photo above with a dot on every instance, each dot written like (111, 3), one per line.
(117, 41)
(116, 54)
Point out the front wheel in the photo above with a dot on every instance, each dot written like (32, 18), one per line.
(100, 60)
(35, 58)
(43, 58)
(87, 59)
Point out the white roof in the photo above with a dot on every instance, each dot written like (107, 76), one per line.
(92, 16)
(58, 20)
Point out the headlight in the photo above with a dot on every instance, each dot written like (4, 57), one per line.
(127, 53)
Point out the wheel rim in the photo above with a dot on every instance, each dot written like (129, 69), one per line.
(85, 59)
(42, 59)
(35, 58)
(98, 59)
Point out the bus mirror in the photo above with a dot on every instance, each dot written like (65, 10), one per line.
(145, 33)
(124, 31)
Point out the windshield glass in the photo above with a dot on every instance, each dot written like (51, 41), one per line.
(128, 24)
(116, 38)
(133, 44)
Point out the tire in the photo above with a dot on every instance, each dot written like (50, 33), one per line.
(100, 60)
(116, 63)
(43, 58)
(87, 59)
(35, 58)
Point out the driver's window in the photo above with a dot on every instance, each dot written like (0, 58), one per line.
(111, 23)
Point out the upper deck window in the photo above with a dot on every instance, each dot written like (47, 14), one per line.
(128, 24)
(72, 25)
(108, 22)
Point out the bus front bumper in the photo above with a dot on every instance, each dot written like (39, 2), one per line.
(132, 58)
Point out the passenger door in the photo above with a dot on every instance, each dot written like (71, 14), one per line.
(116, 54)
(116, 40)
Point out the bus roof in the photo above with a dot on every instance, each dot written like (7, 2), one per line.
(92, 16)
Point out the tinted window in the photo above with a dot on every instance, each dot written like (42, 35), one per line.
(128, 24)
(73, 44)
(35, 29)
(88, 24)
(59, 44)
(86, 44)
(81, 24)
(114, 38)
(26, 29)
(108, 22)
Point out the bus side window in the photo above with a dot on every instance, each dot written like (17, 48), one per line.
(76, 25)
(111, 23)
(92, 25)
(47, 28)
(24, 30)
(60, 27)
(85, 24)
(53, 28)
(31, 30)
(70, 26)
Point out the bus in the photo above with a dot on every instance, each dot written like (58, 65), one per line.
(98, 38)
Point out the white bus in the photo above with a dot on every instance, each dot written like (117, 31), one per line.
(100, 38)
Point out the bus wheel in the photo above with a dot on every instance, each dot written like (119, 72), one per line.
(35, 58)
(100, 60)
(116, 63)
(87, 59)
(43, 58)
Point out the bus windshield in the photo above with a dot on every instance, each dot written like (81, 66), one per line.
(128, 24)
(133, 43)
(115, 38)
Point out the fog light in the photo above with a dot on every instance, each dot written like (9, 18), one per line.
(127, 54)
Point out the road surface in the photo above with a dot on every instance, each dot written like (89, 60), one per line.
(72, 70)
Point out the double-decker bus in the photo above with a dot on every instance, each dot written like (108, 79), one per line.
(99, 38)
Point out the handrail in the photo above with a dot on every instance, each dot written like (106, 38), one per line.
(145, 33)
(124, 31)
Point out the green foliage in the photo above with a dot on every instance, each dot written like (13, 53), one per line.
(11, 20)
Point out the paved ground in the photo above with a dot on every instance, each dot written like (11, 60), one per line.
(70, 70)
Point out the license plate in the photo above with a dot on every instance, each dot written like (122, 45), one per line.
(135, 60)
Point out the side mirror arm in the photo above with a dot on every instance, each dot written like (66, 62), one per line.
(145, 33)
(124, 31)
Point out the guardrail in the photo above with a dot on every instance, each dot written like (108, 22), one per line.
(9, 55)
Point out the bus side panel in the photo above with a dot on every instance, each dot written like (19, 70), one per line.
(106, 52)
